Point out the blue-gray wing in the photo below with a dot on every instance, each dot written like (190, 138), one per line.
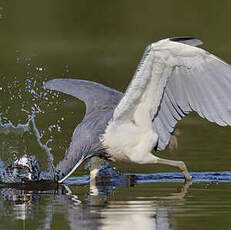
(200, 83)
(94, 95)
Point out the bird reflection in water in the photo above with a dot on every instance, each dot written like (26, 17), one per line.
(96, 211)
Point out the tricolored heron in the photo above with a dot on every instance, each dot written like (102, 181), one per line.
(173, 78)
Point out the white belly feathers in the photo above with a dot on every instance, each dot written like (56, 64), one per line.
(128, 142)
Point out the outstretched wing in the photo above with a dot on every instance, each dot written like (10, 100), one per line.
(95, 95)
(186, 79)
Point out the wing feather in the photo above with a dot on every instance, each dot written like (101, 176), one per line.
(188, 79)
(205, 87)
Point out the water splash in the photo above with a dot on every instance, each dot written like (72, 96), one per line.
(23, 102)
(26, 167)
(45, 147)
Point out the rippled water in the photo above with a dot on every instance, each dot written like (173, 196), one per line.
(103, 42)
(145, 203)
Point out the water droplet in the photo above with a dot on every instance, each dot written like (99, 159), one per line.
(39, 68)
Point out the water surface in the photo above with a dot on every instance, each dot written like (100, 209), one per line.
(150, 205)
(103, 41)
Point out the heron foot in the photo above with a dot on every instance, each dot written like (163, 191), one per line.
(184, 171)
(179, 164)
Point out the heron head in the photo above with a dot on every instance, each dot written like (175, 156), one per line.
(74, 157)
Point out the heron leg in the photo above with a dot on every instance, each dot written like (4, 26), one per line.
(179, 164)
(95, 167)
(149, 158)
